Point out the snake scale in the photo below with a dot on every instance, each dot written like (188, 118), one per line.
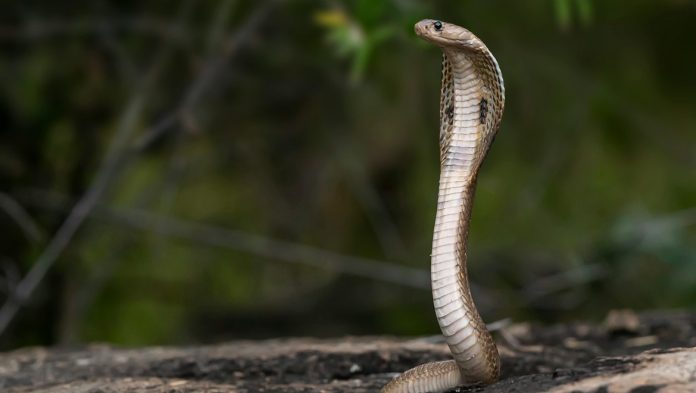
(471, 107)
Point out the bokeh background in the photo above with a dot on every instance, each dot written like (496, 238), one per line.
(188, 172)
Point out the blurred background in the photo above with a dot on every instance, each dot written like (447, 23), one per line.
(191, 172)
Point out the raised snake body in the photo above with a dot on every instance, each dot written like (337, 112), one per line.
(471, 106)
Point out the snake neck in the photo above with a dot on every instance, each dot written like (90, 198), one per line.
(464, 122)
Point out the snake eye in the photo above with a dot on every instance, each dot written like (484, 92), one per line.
(438, 25)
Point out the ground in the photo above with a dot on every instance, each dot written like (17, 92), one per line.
(632, 353)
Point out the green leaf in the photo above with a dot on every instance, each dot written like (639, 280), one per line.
(563, 13)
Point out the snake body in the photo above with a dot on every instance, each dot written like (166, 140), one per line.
(471, 107)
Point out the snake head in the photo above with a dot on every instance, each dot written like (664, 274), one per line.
(445, 34)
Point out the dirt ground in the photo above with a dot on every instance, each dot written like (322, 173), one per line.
(633, 353)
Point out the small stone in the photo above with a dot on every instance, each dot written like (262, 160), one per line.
(82, 362)
(622, 321)
(641, 341)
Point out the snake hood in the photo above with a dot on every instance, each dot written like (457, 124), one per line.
(467, 61)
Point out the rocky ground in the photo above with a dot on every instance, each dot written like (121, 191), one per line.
(643, 353)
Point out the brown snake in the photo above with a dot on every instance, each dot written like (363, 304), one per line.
(471, 106)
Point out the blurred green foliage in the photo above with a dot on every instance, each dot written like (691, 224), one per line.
(314, 124)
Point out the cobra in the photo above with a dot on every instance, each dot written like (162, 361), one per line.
(472, 99)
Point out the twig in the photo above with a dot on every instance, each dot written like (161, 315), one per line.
(20, 216)
(275, 249)
(500, 324)
(216, 236)
(510, 339)
(563, 280)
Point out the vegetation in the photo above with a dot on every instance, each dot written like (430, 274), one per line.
(200, 171)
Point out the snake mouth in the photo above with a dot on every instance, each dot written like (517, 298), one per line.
(426, 29)
(422, 26)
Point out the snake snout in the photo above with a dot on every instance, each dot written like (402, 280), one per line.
(421, 28)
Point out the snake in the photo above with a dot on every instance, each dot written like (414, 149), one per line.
(472, 98)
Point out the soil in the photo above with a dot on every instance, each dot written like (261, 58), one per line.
(643, 353)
